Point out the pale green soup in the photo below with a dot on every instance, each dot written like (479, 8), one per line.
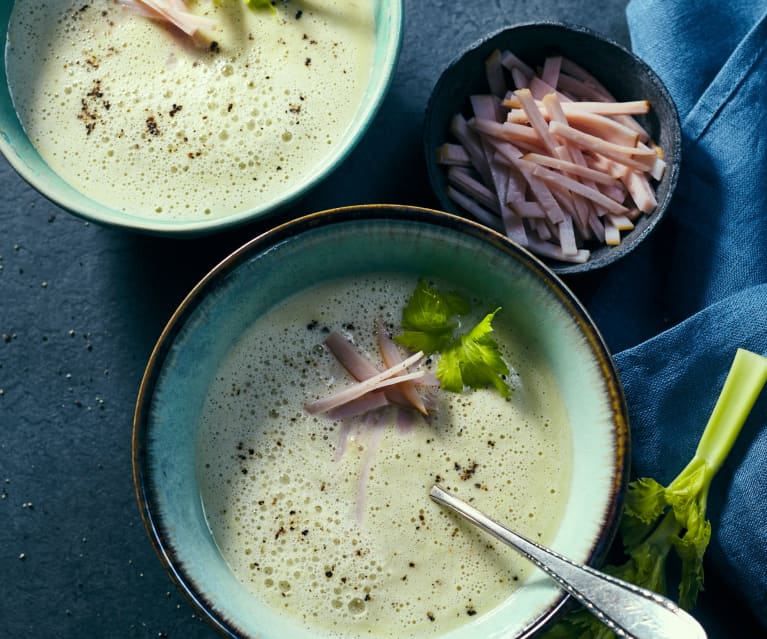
(330, 521)
(137, 118)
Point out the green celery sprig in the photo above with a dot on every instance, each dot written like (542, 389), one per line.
(474, 361)
(430, 321)
(658, 519)
(253, 5)
(260, 4)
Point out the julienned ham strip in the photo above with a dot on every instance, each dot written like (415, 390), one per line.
(172, 12)
(552, 160)
(374, 388)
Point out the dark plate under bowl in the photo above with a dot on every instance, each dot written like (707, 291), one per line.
(622, 72)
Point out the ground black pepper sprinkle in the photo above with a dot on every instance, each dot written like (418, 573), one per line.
(95, 91)
(89, 114)
(467, 472)
(151, 126)
(93, 62)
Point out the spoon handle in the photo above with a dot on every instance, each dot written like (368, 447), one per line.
(629, 611)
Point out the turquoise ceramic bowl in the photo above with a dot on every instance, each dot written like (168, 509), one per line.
(22, 155)
(332, 244)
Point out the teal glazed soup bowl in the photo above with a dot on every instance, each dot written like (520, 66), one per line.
(244, 565)
(259, 122)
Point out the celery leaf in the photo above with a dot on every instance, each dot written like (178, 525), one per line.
(429, 321)
(260, 4)
(645, 500)
(473, 360)
(691, 547)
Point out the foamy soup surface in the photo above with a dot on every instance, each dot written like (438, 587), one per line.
(330, 521)
(135, 117)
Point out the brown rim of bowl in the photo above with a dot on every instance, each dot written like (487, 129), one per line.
(144, 494)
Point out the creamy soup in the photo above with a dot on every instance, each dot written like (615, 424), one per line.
(137, 118)
(330, 521)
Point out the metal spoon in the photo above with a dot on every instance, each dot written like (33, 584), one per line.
(629, 611)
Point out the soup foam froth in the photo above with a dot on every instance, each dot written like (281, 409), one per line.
(137, 118)
(342, 536)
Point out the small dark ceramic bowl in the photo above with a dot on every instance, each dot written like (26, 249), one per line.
(622, 73)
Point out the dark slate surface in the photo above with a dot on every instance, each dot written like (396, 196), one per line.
(80, 309)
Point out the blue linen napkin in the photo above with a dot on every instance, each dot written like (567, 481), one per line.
(680, 307)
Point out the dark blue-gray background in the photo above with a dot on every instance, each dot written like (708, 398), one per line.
(80, 309)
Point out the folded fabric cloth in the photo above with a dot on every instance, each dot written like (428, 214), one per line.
(681, 306)
(720, 210)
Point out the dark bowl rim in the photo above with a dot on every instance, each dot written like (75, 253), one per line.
(149, 512)
(674, 159)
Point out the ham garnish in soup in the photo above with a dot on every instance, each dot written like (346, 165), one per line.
(172, 12)
(361, 369)
(391, 357)
(388, 377)
(392, 388)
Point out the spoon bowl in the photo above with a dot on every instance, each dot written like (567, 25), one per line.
(629, 611)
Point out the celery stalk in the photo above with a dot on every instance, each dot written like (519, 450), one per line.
(657, 519)
(744, 382)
